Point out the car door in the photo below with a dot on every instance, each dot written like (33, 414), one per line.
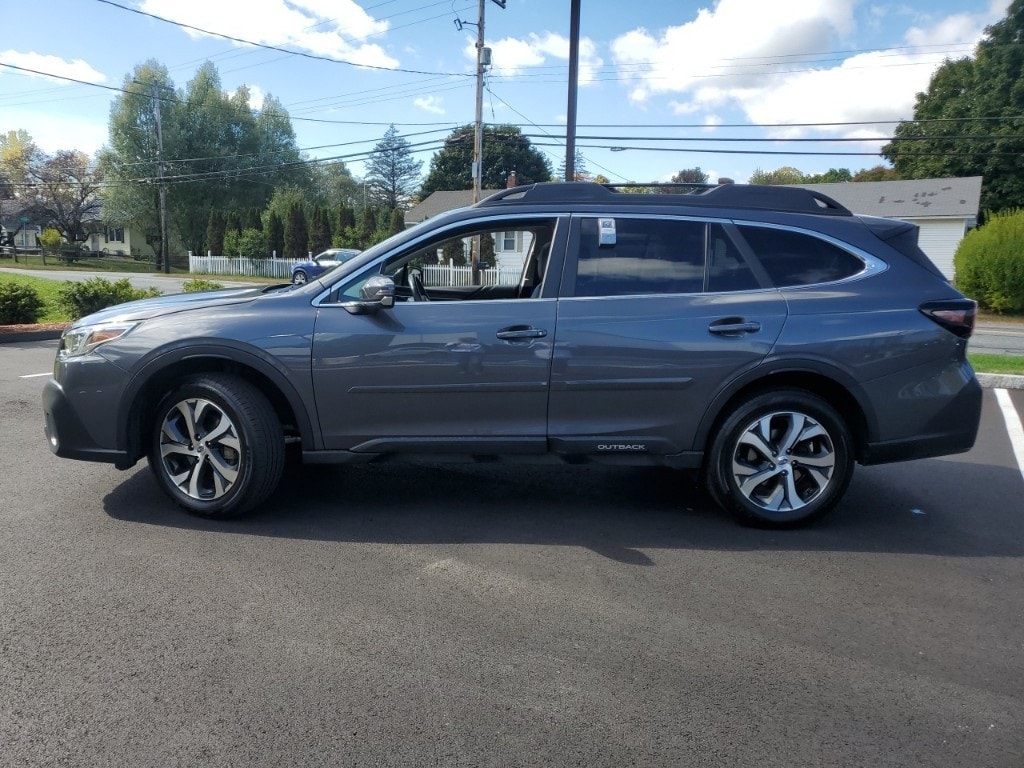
(466, 376)
(657, 314)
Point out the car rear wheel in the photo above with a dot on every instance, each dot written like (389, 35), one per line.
(781, 459)
(216, 447)
(300, 277)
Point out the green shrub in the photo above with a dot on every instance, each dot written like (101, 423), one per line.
(19, 304)
(197, 284)
(990, 263)
(94, 294)
(247, 244)
(50, 239)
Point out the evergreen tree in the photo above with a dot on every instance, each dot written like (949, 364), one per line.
(319, 230)
(274, 235)
(397, 223)
(296, 234)
(215, 233)
(392, 173)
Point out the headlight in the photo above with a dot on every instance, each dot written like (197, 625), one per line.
(84, 339)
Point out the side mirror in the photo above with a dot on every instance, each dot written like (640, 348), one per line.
(377, 293)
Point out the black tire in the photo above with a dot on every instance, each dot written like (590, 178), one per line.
(782, 459)
(300, 277)
(216, 446)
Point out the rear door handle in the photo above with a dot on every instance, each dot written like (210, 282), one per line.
(733, 327)
(518, 332)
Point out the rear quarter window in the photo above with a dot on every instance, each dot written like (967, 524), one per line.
(796, 258)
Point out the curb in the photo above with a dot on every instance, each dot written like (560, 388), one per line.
(1000, 381)
(12, 337)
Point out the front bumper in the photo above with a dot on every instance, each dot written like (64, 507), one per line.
(81, 405)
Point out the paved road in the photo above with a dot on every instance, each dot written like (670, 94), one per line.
(493, 615)
(998, 339)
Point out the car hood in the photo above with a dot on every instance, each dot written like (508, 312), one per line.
(144, 309)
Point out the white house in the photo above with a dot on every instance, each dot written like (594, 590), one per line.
(944, 209)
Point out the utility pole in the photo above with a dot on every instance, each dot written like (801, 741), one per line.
(574, 69)
(478, 132)
(162, 188)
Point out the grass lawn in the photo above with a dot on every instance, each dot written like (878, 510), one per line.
(48, 291)
(36, 261)
(983, 363)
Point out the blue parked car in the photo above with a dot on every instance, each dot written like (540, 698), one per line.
(332, 257)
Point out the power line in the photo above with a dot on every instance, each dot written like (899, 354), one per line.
(302, 54)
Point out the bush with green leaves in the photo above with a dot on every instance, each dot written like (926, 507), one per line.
(19, 304)
(197, 284)
(94, 294)
(247, 244)
(990, 262)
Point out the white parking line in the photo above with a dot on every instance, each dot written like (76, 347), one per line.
(33, 375)
(1013, 426)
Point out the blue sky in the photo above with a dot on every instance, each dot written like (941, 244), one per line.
(664, 84)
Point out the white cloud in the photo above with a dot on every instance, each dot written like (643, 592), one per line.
(432, 104)
(336, 29)
(513, 57)
(76, 69)
(744, 54)
(256, 96)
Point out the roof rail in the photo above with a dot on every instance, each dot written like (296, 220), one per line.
(753, 196)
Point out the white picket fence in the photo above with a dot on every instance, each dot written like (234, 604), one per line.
(239, 267)
(448, 275)
(434, 275)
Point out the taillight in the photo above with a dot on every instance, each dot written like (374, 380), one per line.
(955, 315)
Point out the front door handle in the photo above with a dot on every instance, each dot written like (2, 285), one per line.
(519, 332)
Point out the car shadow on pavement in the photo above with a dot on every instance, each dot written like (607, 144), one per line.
(616, 512)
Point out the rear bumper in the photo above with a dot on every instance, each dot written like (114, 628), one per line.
(952, 430)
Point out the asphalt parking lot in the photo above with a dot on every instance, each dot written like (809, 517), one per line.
(493, 615)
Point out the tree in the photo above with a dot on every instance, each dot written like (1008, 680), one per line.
(274, 235)
(319, 230)
(690, 176)
(67, 186)
(579, 168)
(397, 222)
(505, 150)
(968, 121)
(296, 234)
(877, 173)
(215, 233)
(392, 174)
(784, 175)
(831, 176)
(217, 151)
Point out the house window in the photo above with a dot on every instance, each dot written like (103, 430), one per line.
(508, 241)
(115, 234)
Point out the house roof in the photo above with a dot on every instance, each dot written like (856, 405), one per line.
(441, 201)
(913, 199)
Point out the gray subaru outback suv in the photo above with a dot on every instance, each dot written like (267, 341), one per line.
(765, 336)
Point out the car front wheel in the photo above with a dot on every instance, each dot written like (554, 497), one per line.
(781, 459)
(216, 447)
(300, 277)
